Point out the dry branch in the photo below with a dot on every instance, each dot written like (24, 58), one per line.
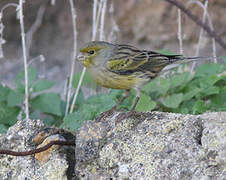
(38, 150)
(198, 22)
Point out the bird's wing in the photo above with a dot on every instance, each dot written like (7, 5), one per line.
(122, 62)
(129, 59)
(157, 61)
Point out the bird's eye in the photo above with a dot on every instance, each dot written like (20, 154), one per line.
(91, 52)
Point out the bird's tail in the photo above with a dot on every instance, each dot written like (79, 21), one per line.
(177, 60)
(182, 59)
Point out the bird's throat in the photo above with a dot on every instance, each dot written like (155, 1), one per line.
(87, 63)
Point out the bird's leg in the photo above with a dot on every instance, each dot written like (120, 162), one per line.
(126, 94)
(109, 112)
(132, 111)
(135, 104)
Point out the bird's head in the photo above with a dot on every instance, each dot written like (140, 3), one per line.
(95, 53)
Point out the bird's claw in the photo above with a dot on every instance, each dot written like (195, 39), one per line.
(106, 114)
(125, 115)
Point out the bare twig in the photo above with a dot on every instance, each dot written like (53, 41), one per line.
(210, 24)
(38, 150)
(34, 28)
(9, 5)
(199, 22)
(179, 33)
(77, 89)
(200, 34)
(2, 41)
(24, 57)
(73, 14)
(94, 29)
(102, 19)
(115, 28)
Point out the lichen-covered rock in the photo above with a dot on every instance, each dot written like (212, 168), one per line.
(153, 146)
(19, 138)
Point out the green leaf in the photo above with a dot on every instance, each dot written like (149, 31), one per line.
(218, 101)
(19, 81)
(199, 107)
(153, 86)
(180, 79)
(186, 106)
(208, 81)
(128, 102)
(4, 91)
(163, 86)
(3, 129)
(8, 115)
(145, 103)
(210, 91)
(101, 103)
(224, 58)
(15, 98)
(48, 103)
(80, 99)
(190, 94)
(74, 120)
(173, 101)
(209, 70)
(42, 85)
(87, 80)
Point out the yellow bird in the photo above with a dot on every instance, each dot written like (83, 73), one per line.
(120, 66)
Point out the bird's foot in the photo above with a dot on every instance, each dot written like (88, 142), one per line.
(106, 114)
(125, 115)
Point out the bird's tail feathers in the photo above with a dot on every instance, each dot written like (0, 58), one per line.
(182, 59)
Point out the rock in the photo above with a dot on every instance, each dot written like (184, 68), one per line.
(45, 155)
(21, 137)
(154, 145)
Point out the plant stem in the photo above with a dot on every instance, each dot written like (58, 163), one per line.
(179, 33)
(74, 55)
(25, 59)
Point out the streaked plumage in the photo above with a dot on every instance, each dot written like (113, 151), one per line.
(119, 66)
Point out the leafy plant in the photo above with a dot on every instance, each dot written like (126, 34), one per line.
(181, 93)
(11, 100)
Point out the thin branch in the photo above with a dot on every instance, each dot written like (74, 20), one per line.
(73, 14)
(34, 28)
(201, 33)
(25, 58)
(179, 33)
(102, 20)
(9, 5)
(115, 28)
(211, 27)
(94, 20)
(198, 22)
(38, 150)
(77, 90)
(99, 7)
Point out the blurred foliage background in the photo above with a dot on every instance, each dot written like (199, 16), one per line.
(149, 24)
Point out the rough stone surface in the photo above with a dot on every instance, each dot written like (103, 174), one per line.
(153, 146)
(18, 138)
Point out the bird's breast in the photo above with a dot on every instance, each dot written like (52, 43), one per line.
(112, 80)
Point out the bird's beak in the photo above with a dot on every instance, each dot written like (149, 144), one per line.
(81, 57)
